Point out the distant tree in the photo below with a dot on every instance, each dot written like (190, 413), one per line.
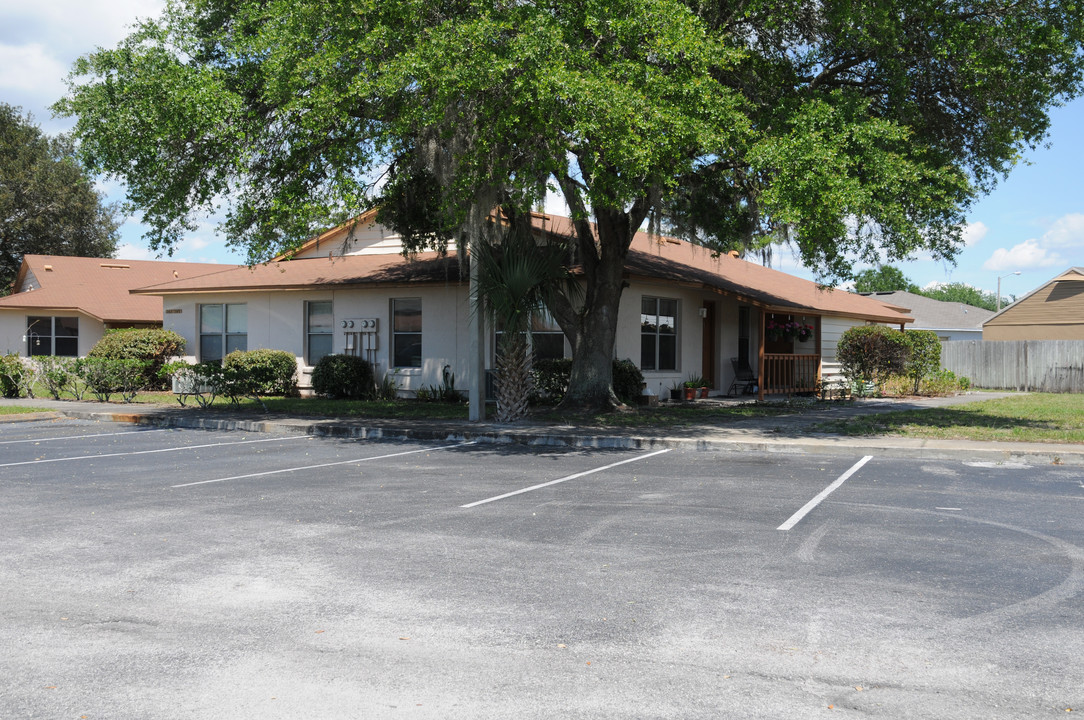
(48, 204)
(886, 278)
(962, 293)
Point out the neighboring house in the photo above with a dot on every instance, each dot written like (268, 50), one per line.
(950, 320)
(63, 305)
(1054, 311)
(685, 312)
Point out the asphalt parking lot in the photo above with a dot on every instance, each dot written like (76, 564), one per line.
(150, 573)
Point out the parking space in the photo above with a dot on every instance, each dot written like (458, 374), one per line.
(157, 574)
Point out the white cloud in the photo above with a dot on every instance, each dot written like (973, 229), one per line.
(127, 251)
(974, 232)
(1067, 231)
(1028, 254)
(31, 68)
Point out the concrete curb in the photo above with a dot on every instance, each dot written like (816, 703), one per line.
(998, 453)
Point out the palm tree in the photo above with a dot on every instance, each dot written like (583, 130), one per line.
(515, 283)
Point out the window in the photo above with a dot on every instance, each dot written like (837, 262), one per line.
(319, 324)
(546, 340)
(52, 336)
(658, 333)
(406, 332)
(222, 329)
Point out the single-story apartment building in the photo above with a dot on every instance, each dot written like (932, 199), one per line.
(685, 311)
(63, 305)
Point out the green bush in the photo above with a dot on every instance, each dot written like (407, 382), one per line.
(262, 372)
(106, 376)
(925, 355)
(16, 377)
(56, 373)
(872, 353)
(154, 346)
(628, 380)
(551, 380)
(343, 376)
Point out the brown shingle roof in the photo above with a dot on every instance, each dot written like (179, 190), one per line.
(98, 286)
(650, 257)
(321, 272)
(661, 257)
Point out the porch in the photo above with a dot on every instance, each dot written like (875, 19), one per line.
(789, 354)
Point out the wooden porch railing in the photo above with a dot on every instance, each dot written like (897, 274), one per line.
(788, 374)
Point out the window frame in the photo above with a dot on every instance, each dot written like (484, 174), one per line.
(312, 358)
(542, 325)
(407, 336)
(657, 334)
(52, 337)
(227, 339)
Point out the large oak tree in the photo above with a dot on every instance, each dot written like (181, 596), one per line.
(853, 130)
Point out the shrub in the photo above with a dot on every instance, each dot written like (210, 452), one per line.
(628, 380)
(106, 376)
(925, 355)
(155, 346)
(551, 380)
(56, 373)
(16, 377)
(343, 376)
(872, 353)
(261, 372)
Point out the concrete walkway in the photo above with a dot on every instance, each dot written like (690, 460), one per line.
(788, 433)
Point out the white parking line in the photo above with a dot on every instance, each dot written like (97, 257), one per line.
(321, 465)
(150, 452)
(564, 479)
(80, 437)
(822, 495)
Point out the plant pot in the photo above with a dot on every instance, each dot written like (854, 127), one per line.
(675, 394)
(703, 392)
(690, 393)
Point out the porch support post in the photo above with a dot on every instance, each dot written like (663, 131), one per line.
(820, 352)
(760, 355)
(476, 411)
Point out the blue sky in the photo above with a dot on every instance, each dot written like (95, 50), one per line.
(1032, 223)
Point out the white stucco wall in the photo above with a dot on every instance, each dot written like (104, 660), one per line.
(13, 330)
(276, 321)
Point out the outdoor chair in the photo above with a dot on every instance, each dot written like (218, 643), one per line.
(744, 377)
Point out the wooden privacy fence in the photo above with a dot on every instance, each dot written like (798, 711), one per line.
(1039, 365)
(790, 373)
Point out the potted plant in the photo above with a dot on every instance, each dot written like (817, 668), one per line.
(698, 385)
(676, 390)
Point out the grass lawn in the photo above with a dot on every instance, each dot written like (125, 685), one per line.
(1035, 417)
(18, 410)
(682, 415)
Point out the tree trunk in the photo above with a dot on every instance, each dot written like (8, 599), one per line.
(592, 327)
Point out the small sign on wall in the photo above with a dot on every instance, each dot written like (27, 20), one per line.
(174, 311)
